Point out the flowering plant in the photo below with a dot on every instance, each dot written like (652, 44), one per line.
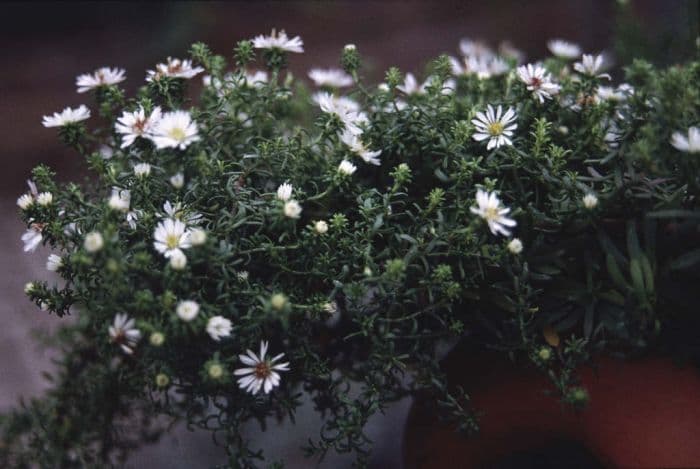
(234, 250)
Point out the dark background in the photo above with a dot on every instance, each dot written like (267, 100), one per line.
(43, 46)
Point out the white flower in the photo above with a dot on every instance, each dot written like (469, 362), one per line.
(178, 212)
(177, 180)
(136, 124)
(495, 125)
(357, 147)
(178, 260)
(242, 276)
(120, 200)
(67, 116)
(689, 143)
(261, 372)
(142, 170)
(198, 237)
(333, 314)
(284, 191)
(132, 217)
(590, 201)
(174, 68)
(539, 81)
(187, 310)
(482, 67)
(321, 227)
(174, 130)
(292, 209)
(123, 333)
(171, 236)
(347, 110)
(256, 79)
(609, 93)
(564, 49)
(471, 48)
(515, 246)
(279, 41)
(32, 238)
(218, 327)
(490, 209)
(101, 77)
(590, 65)
(25, 201)
(93, 242)
(44, 199)
(29, 287)
(54, 262)
(411, 86)
(333, 77)
(346, 168)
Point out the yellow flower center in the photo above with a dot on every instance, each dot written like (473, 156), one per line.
(495, 128)
(491, 213)
(172, 241)
(177, 133)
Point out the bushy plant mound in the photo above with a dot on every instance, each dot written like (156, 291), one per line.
(230, 252)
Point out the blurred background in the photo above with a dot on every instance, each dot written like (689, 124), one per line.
(45, 45)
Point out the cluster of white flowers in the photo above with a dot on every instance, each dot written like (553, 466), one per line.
(166, 130)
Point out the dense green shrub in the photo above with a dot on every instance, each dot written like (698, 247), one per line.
(392, 241)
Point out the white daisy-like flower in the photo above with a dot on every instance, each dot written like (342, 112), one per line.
(539, 81)
(359, 148)
(32, 238)
(689, 143)
(495, 125)
(279, 41)
(136, 124)
(180, 212)
(411, 85)
(177, 180)
(256, 79)
(94, 242)
(564, 49)
(292, 209)
(260, 372)
(515, 246)
(482, 67)
(187, 310)
(218, 327)
(475, 48)
(100, 77)
(25, 201)
(174, 68)
(284, 191)
(44, 199)
(120, 200)
(123, 333)
(171, 236)
(67, 116)
(590, 65)
(590, 201)
(347, 110)
(332, 77)
(174, 130)
(490, 209)
(142, 170)
(346, 168)
(242, 275)
(178, 260)
(54, 262)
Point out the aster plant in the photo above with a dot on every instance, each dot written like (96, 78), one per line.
(350, 239)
